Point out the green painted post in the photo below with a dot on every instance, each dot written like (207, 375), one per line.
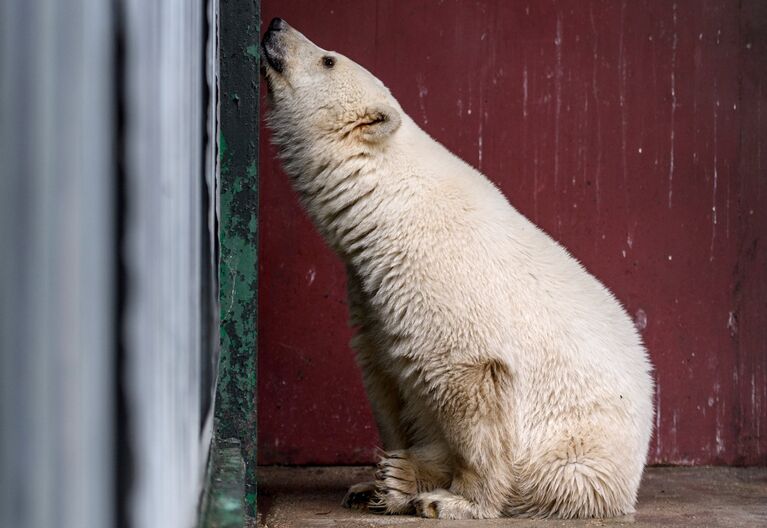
(238, 151)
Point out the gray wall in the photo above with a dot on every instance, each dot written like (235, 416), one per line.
(56, 264)
(108, 286)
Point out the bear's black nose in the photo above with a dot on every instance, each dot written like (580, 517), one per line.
(276, 24)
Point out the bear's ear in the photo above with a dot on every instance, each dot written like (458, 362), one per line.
(379, 122)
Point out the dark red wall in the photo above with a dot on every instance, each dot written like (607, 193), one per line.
(632, 132)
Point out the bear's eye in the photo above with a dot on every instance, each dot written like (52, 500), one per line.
(328, 61)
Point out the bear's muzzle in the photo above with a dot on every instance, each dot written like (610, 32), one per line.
(271, 44)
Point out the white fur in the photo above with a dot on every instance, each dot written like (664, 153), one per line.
(506, 379)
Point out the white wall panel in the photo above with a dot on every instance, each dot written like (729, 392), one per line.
(164, 233)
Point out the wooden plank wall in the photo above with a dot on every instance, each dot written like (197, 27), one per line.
(632, 132)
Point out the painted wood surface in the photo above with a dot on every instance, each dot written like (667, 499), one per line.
(632, 132)
(238, 153)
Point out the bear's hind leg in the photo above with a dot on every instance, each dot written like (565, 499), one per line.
(442, 504)
(472, 403)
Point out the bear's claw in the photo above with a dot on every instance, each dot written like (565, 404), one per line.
(359, 495)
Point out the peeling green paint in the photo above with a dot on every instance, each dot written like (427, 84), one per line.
(223, 498)
(238, 151)
(222, 149)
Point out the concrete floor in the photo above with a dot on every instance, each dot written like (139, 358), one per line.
(700, 497)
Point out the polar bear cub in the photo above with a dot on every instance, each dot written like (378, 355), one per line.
(504, 378)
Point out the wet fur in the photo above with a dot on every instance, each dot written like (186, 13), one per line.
(504, 378)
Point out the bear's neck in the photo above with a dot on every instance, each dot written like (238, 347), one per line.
(343, 198)
(360, 197)
(350, 198)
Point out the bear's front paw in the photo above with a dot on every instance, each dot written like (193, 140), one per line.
(396, 484)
